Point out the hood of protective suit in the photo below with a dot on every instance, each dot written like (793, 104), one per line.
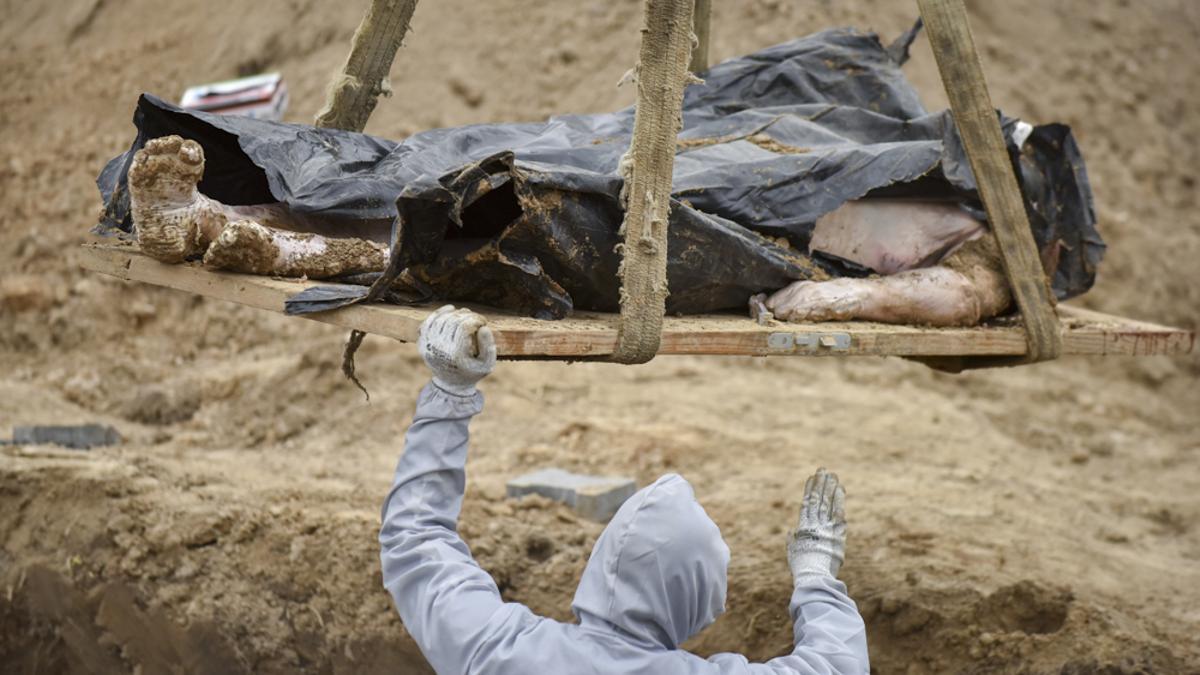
(658, 571)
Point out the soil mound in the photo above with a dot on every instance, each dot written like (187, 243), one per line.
(1042, 519)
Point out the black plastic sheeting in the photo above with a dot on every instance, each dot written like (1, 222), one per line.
(526, 216)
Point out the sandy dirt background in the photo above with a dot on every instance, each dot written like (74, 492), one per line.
(1043, 519)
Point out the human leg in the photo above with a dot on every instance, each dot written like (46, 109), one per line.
(175, 221)
(966, 288)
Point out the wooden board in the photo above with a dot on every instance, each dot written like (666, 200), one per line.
(588, 334)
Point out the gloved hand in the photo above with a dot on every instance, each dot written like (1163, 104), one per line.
(458, 347)
(817, 546)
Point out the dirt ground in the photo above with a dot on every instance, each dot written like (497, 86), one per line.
(1042, 519)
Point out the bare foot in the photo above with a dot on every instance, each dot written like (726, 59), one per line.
(173, 220)
(966, 288)
(243, 246)
(249, 247)
(833, 300)
(930, 296)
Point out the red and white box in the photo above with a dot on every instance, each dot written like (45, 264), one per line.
(261, 96)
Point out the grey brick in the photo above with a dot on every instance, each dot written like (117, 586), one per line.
(593, 497)
(81, 437)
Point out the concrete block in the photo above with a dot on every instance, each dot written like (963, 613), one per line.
(593, 497)
(80, 437)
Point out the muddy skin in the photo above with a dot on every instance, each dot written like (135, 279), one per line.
(942, 269)
(175, 222)
(246, 246)
(979, 260)
(968, 287)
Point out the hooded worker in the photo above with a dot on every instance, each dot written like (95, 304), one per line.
(656, 576)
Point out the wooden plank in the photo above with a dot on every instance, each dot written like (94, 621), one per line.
(588, 334)
(979, 127)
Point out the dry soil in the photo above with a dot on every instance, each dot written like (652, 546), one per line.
(1041, 519)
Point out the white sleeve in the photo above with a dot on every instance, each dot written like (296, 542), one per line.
(448, 603)
(829, 633)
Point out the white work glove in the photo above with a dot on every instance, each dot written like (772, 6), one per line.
(817, 547)
(458, 347)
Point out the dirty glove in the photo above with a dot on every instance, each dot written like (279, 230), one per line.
(458, 347)
(817, 547)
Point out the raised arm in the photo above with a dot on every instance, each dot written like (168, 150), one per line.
(447, 602)
(829, 633)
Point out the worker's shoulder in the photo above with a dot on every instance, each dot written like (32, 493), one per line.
(533, 643)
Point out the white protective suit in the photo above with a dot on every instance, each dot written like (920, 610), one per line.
(655, 578)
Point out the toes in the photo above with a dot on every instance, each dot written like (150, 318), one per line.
(168, 161)
(191, 153)
(165, 145)
(795, 302)
(834, 300)
(187, 150)
(139, 170)
(786, 296)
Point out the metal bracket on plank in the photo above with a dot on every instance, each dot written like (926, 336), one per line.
(792, 342)
(781, 342)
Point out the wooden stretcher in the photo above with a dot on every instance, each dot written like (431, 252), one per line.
(594, 335)
(640, 332)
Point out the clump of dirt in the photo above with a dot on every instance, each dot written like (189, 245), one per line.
(161, 405)
(1041, 519)
(1015, 628)
(767, 143)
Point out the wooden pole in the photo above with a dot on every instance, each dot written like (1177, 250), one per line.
(701, 27)
(354, 91)
(662, 75)
(979, 127)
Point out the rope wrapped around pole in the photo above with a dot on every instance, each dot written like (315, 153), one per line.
(661, 74)
(355, 91)
(701, 23)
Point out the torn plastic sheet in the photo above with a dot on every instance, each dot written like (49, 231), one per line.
(526, 216)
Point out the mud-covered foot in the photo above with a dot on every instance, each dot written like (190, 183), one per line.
(244, 246)
(172, 219)
(252, 248)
